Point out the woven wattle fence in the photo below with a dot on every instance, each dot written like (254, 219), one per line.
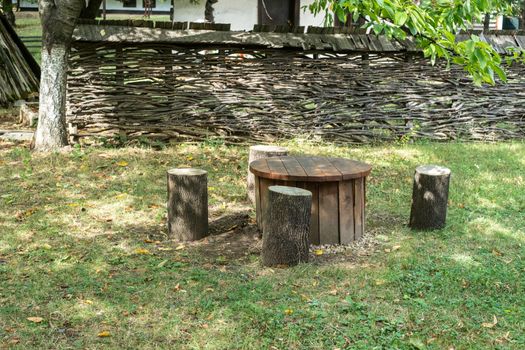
(196, 92)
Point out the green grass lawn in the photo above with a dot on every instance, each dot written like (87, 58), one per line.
(83, 249)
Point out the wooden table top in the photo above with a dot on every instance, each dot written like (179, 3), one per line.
(310, 169)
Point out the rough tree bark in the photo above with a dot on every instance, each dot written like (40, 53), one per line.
(429, 197)
(58, 19)
(187, 204)
(7, 10)
(285, 239)
(208, 10)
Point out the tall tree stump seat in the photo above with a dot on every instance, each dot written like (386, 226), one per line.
(338, 189)
(187, 204)
(285, 239)
(259, 152)
(429, 197)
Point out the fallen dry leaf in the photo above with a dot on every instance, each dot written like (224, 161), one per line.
(162, 263)
(21, 215)
(165, 249)
(104, 334)
(14, 341)
(122, 163)
(180, 247)
(35, 319)
(142, 251)
(490, 324)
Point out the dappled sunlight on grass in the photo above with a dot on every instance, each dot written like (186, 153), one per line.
(83, 244)
(464, 259)
(490, 228)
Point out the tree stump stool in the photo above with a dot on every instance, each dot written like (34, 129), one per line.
(258, 152)
(429, 197)
(187, 204)
(285, 239)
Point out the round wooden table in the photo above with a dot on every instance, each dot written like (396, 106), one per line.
(338, 189)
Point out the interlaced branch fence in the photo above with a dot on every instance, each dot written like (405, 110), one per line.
(196, 91)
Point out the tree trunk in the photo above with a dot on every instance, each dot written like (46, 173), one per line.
(522, 17)
(58, 19)
(285, 239)
(486, 23)
(208, 10)
(429, 197)
(92, 9)
(187, 204)
(7, 9)
(258, 152)
(51, 132)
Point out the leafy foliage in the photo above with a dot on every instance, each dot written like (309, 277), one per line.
(434, 24)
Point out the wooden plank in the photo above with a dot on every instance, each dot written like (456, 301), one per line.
(388, 45)
(293, 167)
(314, 224)
(319, 169)
(346, 211)
(330, 172)
(359, 208)
(328, 213)
(259, 167)
(277, 168)
(365, 41)
(357, 42)
(374, 43)
(351, 169)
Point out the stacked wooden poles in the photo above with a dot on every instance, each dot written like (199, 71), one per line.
(258, 152)
(429, 197)
(285, 239)
(187, 204)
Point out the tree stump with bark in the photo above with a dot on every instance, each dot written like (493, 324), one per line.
(258, 152)
(285, 239)
(429, 197)
(187, 204)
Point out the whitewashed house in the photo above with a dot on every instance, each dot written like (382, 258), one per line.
(241, 14)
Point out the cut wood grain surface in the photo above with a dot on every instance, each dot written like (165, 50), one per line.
(315, 169)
